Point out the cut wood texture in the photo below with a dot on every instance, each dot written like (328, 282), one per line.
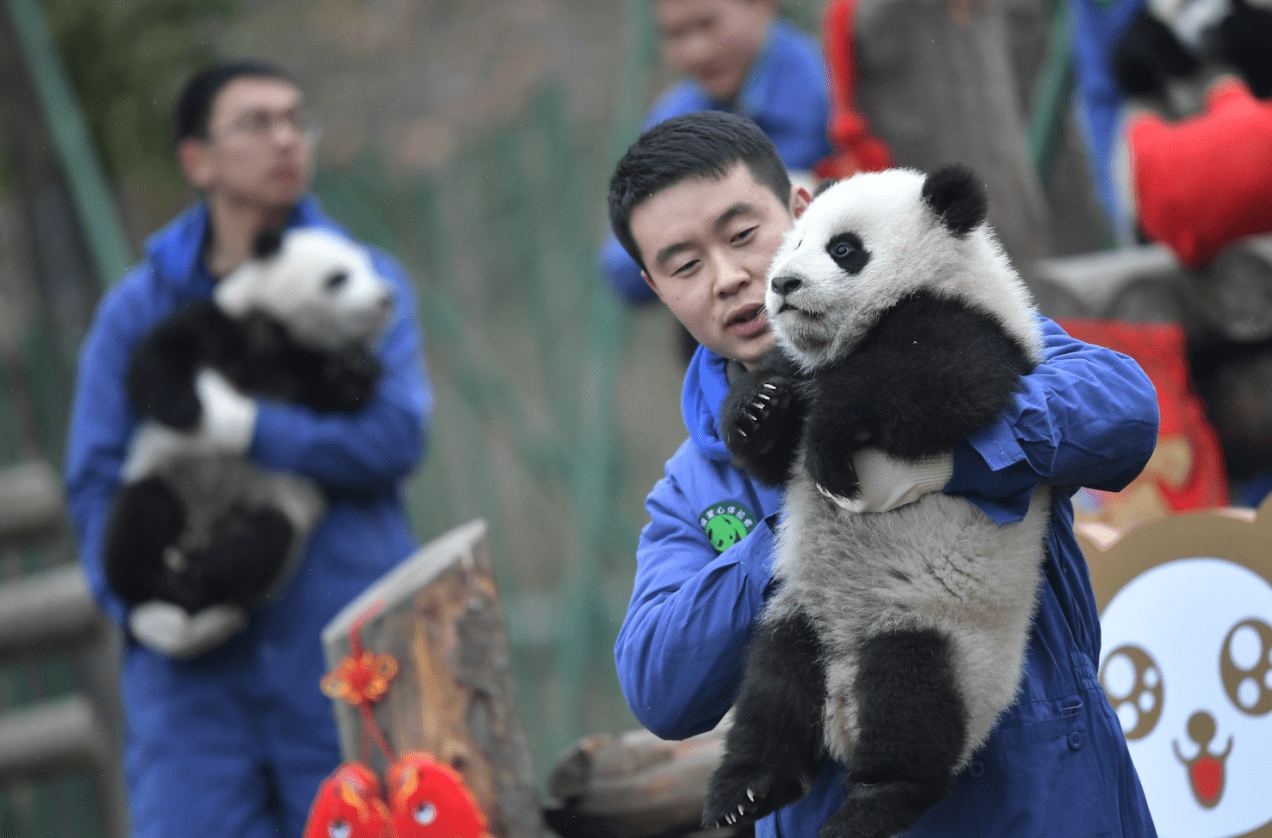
(635, 785)
(440, 616)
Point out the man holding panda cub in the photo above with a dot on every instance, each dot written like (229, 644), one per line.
(236, 740)
(702, 203)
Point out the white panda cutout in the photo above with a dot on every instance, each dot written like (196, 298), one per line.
(1186, 662)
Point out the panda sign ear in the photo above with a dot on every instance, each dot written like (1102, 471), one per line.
(957, 197)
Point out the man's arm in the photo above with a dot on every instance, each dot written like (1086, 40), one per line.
(1086, 416)
(681, 648)
(101, 424)
(379, 444)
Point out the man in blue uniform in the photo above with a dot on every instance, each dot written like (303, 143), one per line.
(737, 56)
(236, 741)
(702, 202)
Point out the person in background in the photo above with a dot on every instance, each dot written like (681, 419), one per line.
(736, 56)
(702, 203)
(236, 741)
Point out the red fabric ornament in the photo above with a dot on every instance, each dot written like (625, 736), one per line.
(429, 799)
(349, 805)
(1204, 181)
(856, 150)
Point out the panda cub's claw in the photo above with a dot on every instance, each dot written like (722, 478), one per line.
(741, 794)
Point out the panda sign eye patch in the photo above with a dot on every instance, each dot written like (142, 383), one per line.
(848, 252)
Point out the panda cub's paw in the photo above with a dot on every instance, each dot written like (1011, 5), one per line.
(745, 792)
(835, 476)
(760, 425)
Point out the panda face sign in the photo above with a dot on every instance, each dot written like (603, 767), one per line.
(870, 240)
(320, 285)
(1187, 667)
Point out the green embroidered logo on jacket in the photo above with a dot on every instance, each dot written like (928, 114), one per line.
(726, 523)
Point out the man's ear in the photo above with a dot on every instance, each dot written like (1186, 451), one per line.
(645, 276)
(194, 155)
(800, 199)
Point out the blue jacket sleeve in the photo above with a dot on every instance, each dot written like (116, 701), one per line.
(681, 648)
(1085, 416)
(380, 444)
(101, 424)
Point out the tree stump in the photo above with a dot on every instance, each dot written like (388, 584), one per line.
(439, 615)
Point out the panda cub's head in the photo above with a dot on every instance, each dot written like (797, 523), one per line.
(867, 242)
(319, 285)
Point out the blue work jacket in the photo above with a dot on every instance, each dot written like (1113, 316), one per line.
(786, 93)
(1057, 765)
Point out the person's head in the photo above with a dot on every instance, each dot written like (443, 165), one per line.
(242, 135)
(714, 41)
(701, 202)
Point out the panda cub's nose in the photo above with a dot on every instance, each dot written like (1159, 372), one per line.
(786, 284)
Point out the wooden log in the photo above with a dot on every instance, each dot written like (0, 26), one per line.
(440, 617)
(31, 504)
(48, 611)
(634, 785)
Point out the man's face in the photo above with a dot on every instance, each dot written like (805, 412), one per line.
(259, 151)
(707, 246)
(714, 41)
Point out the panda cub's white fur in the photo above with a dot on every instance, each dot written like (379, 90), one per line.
(912, 624)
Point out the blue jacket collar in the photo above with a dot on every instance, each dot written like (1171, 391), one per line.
(174, 251)
(705, 387)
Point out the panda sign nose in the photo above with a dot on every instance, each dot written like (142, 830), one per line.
(786, 284)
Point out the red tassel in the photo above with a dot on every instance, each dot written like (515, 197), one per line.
(856, 150)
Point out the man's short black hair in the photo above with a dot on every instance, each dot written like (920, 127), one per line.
(193, 109)
(707, 145)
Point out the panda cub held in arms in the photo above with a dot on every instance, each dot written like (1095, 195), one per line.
(199, 534)
(895, 639)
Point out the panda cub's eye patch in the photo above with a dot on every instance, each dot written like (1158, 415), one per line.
(336, 280)
(849, 252)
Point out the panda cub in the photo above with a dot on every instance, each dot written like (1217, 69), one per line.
(199, 535)
(895, 640)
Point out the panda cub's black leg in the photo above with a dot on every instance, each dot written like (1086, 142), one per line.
(912, 731)
(247, 549)
(775, 745)
(146, 519)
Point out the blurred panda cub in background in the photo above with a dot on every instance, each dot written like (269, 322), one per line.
(199, 534)
(896, 639)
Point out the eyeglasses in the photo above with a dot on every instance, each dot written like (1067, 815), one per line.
(260, 125)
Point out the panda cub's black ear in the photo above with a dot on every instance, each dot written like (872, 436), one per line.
(267, 242)
(957, 197)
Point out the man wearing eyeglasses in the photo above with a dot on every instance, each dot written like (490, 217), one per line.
(235, 740)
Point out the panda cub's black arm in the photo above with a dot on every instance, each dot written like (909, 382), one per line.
(762, 417)
(931, 373)
(162, 368)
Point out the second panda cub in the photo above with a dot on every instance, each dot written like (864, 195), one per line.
(895, 640)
